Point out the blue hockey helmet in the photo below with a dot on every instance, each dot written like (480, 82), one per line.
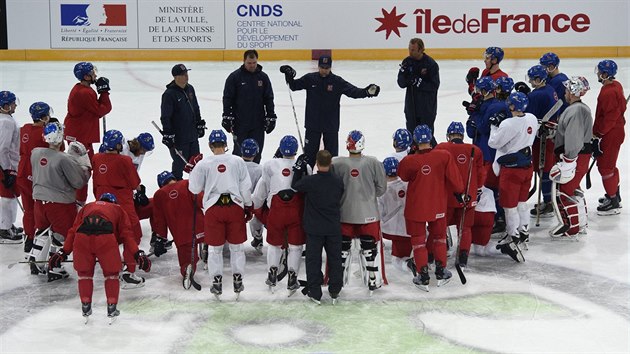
(249, 148)
(608, 67)
(355, 142)
(288, 145)
(505, 83)
(81, 69)
(518, 100)
(549, 59)
(108, 197)
(38, 110)
(422, 134)
(402, 138)
(146, 141)
(217, 136)
(7, 97)
(485, 83)
(53, 133)
(391, 166)
(455, 128)
(537, 72)
(494, 53)
(111, 140)
(164, 177)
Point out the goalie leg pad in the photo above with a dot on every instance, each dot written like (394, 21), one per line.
(41, 245)
(568, 208)
(582, 210)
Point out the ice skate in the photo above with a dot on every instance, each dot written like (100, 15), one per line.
(272, 278)
(35, 269)
(523, 235)
(57, 274)
(257, 242)
(10, 237)
(508, 246)
(86, 308)
(283, 269)
(421, 281)
(545, 210)
(130, 280)
(238, 284)
(292, 283)
(442, 274)
(610, 206)
(112, 313)
(217, 286)
(411, 265)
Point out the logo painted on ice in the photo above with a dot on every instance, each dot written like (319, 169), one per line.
(461, 159)
(43, 161)
(354, 172)
(93, 15)
(221, 168)
(102, 169)
(286, 172)
(426, 169)
(173, 194)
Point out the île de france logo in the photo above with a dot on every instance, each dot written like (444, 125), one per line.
(390, 22)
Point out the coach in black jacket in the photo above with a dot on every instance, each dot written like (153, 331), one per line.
(323, 93)
(248, 109)
(182, 125)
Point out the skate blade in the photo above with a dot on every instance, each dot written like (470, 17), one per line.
(238, 296)
(86, 319)
(609, 212)
(422, 287)
(10, 242)
(112, 320)
(291, 292)
(217, 297)
(317, 302)
(441, 282)
(334, 301)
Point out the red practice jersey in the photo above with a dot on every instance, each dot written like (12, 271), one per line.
(173, 209)
(461, 154)
(84, 111)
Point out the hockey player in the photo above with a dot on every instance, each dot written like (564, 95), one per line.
(419, 75)
(31, 137)
(174, 206)
(364, 180)
(402, 142)
(609, 134)
(492, 56)
(461, 153)
(286, 207)
(249, 151)
(248, 108)
(573, 143)
(391, 206)
(114, 173)
(555, 78)
(138, 148)
(322, 223)
(430, 174)
(227, 205)
(513, 137)
(97, 231)
(482, 227)
(56, 178)
(323, 93)
(504, 86)
(540, 100)
(85, 109)
(9, 157)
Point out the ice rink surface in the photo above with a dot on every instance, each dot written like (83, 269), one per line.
(569, 297)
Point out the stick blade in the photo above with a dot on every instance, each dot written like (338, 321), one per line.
(462, 277)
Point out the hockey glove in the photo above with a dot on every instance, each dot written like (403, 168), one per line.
(474, 105)
(372, 90)
(192, 162)
(159, 247)
(9, 178)
(471, 77)
(563, 171)
(228, 122)
(102, 85)
(415, 82)
(596, 147)
(249, 212)
(462, 198)
(300, 164)
(201, 128)
(547, 129)
(168, 140)
(142, 260)
(140, 197)
(497, 118)
(55, 260)
(522, 87)
(471, 123)
(270, 123)
(289, 72)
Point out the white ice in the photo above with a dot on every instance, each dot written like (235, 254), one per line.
(567, 297)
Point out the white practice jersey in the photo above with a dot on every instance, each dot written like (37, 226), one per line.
(9, 142)
(486, 203)
(255, 171)
(391, 206)
(136, 160)
(512, 135)
(218, 174)
(277, 175)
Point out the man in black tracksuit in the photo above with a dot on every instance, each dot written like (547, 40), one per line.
(182, 125)
(248, 109)
(322, 223)
(323, 93)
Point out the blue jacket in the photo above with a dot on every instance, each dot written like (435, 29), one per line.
(248, 97)
(180, 113)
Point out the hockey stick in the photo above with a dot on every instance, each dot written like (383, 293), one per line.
(188, 278)
(541, 154)
(297, 125)
(104, 123)
(177, 152)
(11, 265)
(462, 277)
(588, 174)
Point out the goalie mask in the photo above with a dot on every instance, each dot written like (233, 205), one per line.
(355, 143)
(53, 133)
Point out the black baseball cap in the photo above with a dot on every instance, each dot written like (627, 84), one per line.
(325, 62)
(179, 69)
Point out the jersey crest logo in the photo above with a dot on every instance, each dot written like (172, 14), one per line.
(426, 169)
(461, 159)
(221, 168)
(25, 138)
(529, 130)
(43, 161)
(173, 194)
(354, 172)
(401, 194)
(260, 83)
(102, 169)
(329, 88)
(286, 172)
